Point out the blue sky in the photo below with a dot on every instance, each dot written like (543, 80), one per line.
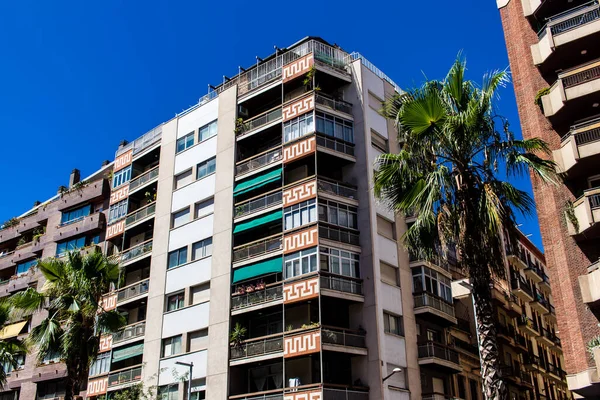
(78, 77)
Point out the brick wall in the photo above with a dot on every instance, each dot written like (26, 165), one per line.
(565, 259)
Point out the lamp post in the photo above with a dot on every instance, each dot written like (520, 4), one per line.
(191, 367)
(394, 371)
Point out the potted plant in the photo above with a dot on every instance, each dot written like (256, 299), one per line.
(249, 288)
(237, 335)
(260, 285)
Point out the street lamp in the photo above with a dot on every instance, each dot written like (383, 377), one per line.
(394, 371)
(191, 367)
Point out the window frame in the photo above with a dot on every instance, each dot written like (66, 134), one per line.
(178, 214)
(306, 254)
(310, 206)
(121, 177)
(179, 251)
(398, 322)
(298, 127)
(188, 172)
(186, 142)
(337, 208)
(347, 126)
(208, 128)
(332, 255)
(208, 164)
(172, 341)
(210, 202)
(117, 211)
(203, 244)
(75, 214)
(180, 301)
(432, 282)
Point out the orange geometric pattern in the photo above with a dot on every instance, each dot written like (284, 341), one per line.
(301, 240)
(297, 67)
(306, 395)
(119, 194)
(105, 343)
(299, 149)
(302, 344)
(123, 160)
(97, 386)
(300, 291)
(298, 107)
(300, 193)
(115, 229)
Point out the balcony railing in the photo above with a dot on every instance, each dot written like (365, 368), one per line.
(572, 19)
(591, 73)
(136, 251)
(344, 394)
(134, 290)
(338, 105)
(528, 322)
(341, 284)
(428, 300)
(525, 376)
(258, 203)
(258, 161)
(125, 376)
(130, 332)
(517, 282)
(257, 347)
(335, 145)
(258, 248)
(259, 121)
(435, 350)
(143, 179)
(338, 235)
(342, 337)
(520, 340)
(143, 141)
(337, 189)
(506, 330)
(140, 214)
(586, 132)
(265, 295)
(542, 300)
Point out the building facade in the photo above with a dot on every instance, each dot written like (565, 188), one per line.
(553, 51)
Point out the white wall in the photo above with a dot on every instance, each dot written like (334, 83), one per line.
(388, 251)
(197, 118)
(191, 232)
(391, 298)
(167, 366)
(193, 193)
(185, 320)
(394, 349)
(195, 154)
(188, 275)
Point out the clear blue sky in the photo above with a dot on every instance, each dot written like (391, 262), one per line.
(76, 77)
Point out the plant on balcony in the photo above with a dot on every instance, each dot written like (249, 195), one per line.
(310, 325)
(79, 186)
(14, 221)
(538, 97)
(22, 241)
(11, 350)
(309, 81)
(62, 190)
(448, 172)
(570, 215)
(239, 126)
(72, 293)
(237, 335)
(38, 233)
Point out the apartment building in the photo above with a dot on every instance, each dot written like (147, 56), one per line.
(553, 51)
(74, 218)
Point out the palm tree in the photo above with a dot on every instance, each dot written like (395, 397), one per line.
(453, 147)
(10, 350)
(71, 295)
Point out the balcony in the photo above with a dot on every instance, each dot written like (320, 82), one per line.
(546, 337)
(590, 285)
(521, 288)
(347, 286)
(259, 203)
(341, 393)
(330, 103)
(510, 374)
(345, 191)
(139, 215)
(505, 333)
(338, 235)
(268, 296)
(130, 332)
(534, 272)
(335, 147)
(134, 291)
(527, 326)
(124, 377)
(578, 147)
(87, 193)
(258, 162)
(517, 257)
(520, 343)
(545, 284)
(574, 92)
(554, 372)
(144, 179)
(586, 210)
(257, 349)
(440, 357)
(532, 362)
(579, 24)
(258, 248)
(258, 123)
(513, 307)
(540, 303)
(143, 142)
(434, 307)
(526, 378)
(343, 340)
(78, 226)
(136, 252)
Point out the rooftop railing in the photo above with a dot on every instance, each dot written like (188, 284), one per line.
(130, 332)
(262, 296)
(342, 337)
(258, 248)
(142, 179)
(258, 203)
(133, 290)
(339, 235)
(335, 145)
(341, 283)
(142, 142)
(257, 347)
(136, 251)
(436, 350)
(428, 300)
(140, 214)
(330, 102)
(337, 189)
(124, 376)
(370, 66)
(258, 161)
(259, 121)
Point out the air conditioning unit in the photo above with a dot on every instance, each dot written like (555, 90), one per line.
(242, 112)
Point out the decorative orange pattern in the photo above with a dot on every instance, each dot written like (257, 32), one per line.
(298, 107)
(302, 344)
(123, 160)
(299, 149)
(105, 343)
(115, 229)
(301, 240)
(300, 291)
(97, 386)
(297, 194)
(297, 67)
(108, 302)
(119, 194)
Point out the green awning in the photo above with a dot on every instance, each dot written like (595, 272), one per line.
(257, 181)
(127, 352)
(272, 265)
(254, 222)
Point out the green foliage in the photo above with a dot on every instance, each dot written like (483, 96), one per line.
(310, 325)
(22, 241)
(240, 126)
(38, 233)
(14, 221)
(539, 94)
(570, 215)
(592, 344)
(237, 335)
(79, 186)
(11, 349)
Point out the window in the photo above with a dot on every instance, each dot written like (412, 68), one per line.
(300, 214)
(183, 179)
(301, 262)
(51, 389)
(200, 293)
(204, 208)
(338, 214)
(462, 390)
(379, 142)
(389, 273)
(199, 395)
(171, 346)
(23, 268)
(339, 262)
(474, 387)
(427, 280)
(175, 301)
(51, 357)
(393, 324)
(177, 257)
(386, 228)
(180, 217)
(169, 392)
(202, 249)
(70, 245)
(8, 366)
(75, 214)
(206, 168)
(198, 340)
(185, 142)
(117, 211)
(335, 127)
(12, 395)
(101, 365)
(121, 177)
(298, 127)
(434, 336)
(207, 131)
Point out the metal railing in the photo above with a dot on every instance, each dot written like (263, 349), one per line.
(506, 330)
(258, 161)
(528, 322)
(471, 348)
(253, 348)
(136, 251)
(520, 340)
(571, 19)
(517, 282)
(436, 350)
(341, 284)
(259, 121)
(143, 179)
(130, 332)
(142, 142)
(578, 78)
(525, 376)
(339, 235)
(335, 145)
(125, 376)
(140, 214)
(344, 394)
(583, 135)
(134, 290)
(370, 66)
(258, 203)
(257, 297)
(541, 300)
(342, 337)
(428, 300)
(330, 102)
(337, 188)
(258, 248)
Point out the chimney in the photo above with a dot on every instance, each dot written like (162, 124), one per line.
(123, 144)
(74, 178)
(36, 203)
(105, 163)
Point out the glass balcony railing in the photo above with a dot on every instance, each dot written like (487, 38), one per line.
(342, 337)
(259, 121)
(258, 203)
(436, 350)
(428, 300)
(330, 393)
(341, 284)
(134, 290)
(337, 189)
(258, 161)
(339, 235)
(258, 248)
(265, 295)
(335, 145)
(140, 214)
(143, 142)
(142, 179)
(136, 251)
(253, 348)
(125, 376)
(130, 332)
(330, 102)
